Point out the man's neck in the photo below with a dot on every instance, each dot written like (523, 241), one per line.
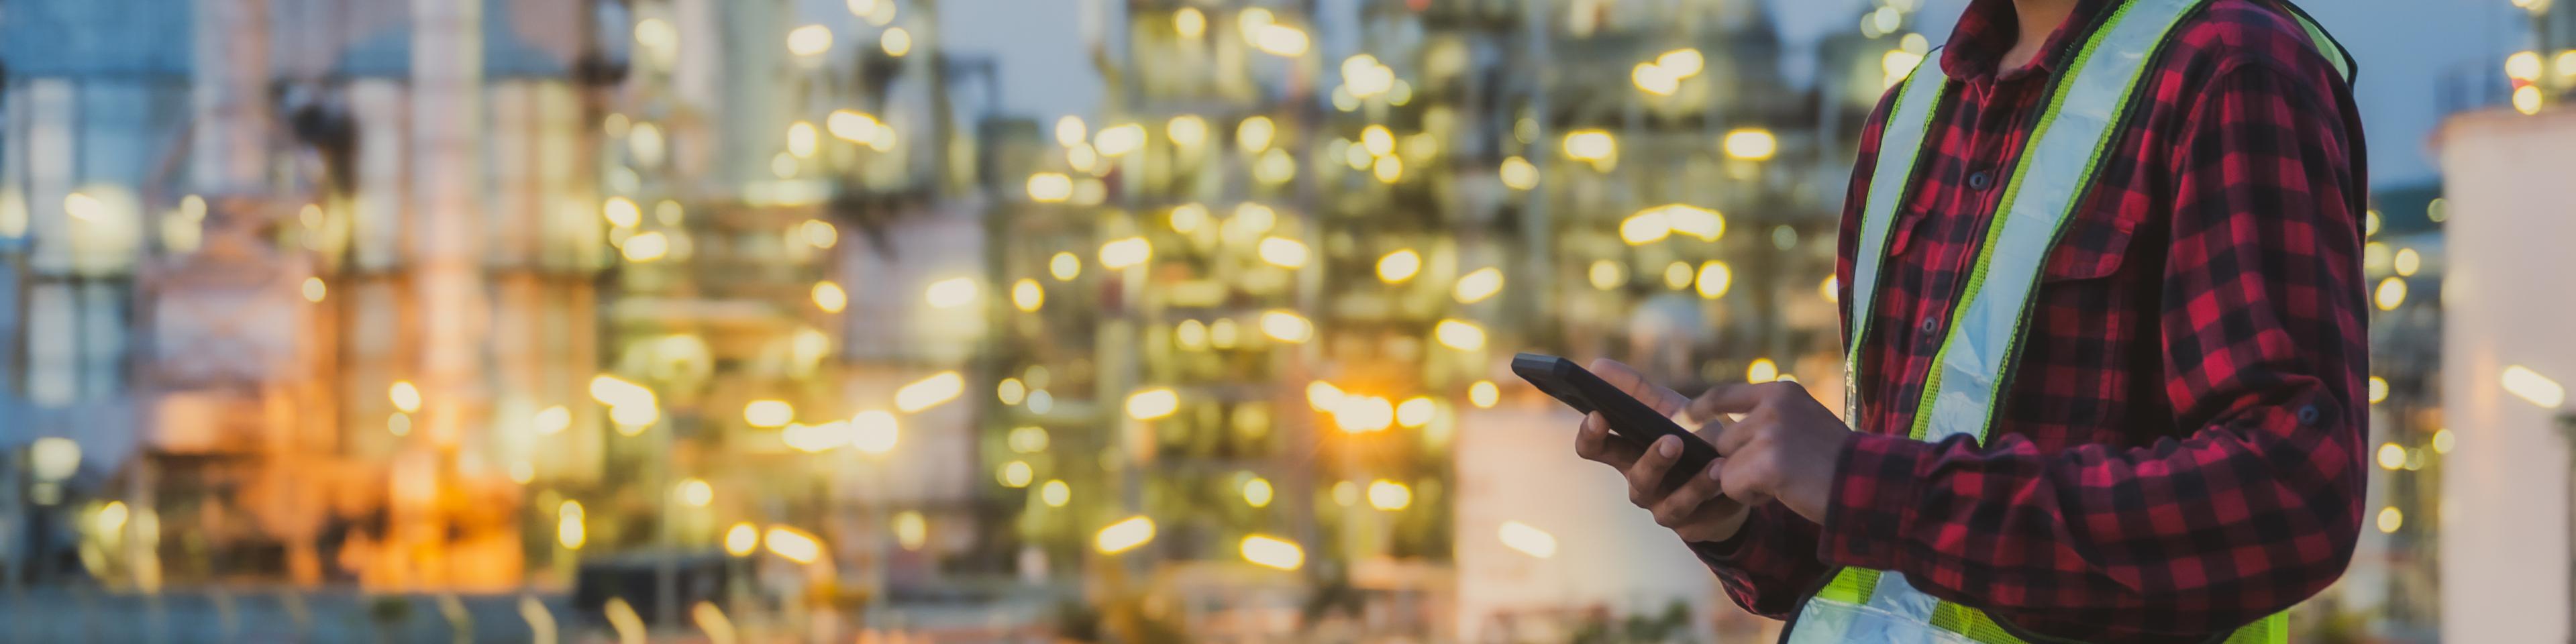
(2039, 19)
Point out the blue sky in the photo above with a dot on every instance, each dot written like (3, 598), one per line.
(2404, 47)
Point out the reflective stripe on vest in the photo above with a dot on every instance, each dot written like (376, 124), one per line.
(2055, 171)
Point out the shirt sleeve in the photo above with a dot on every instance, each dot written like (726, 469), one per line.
(2262, 325)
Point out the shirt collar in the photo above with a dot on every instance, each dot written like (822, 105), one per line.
(1989, 28)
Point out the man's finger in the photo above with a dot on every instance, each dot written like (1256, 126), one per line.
(1725, 399)
(1627, 379)
(1733, 436)
(1592, 441)
(1700, 490)
(1646, 477)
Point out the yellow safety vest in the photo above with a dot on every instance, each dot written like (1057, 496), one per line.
(2083, 116)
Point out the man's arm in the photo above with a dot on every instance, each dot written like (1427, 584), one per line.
(2263, 330)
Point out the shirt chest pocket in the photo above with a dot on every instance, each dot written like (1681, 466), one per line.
(2093, 245)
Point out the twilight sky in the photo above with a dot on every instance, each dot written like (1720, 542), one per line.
(2403, 45)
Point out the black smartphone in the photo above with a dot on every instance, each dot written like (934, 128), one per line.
(1631, 420)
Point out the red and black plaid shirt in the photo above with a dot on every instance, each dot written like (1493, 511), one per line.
(2180, 451)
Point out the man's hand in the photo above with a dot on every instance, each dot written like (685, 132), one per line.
(1695, 510)
(1784, 445)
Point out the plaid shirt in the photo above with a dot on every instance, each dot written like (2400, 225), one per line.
(2181, 449)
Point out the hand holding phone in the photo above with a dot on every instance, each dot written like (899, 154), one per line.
(1632, 422)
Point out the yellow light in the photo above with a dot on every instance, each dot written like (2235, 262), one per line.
(1124, 535)
(1682, 63)
(1388, 169)
(1695, 221)
(111, 518)
(632, 419)
(1484, 394)
(2390, 519)
(793, 544)
(1028, 439)
(2378, 389)
(1346, 493)
(398, 424)
(1477, 285)
(851, 126)
(1283, 252)
(819, 233)
(1389, 495)
(1654, 79)
(1275, 167)
(315, 290)
(2522, 66)
(1189, 22)
(2391, 293)
(1254, 133)
(1050, 187)
(1363, 76)
(568, 528)
(1082, 157)
(1069, 131)
(1323, 396)
(1762, 370)
(1191, 334)
(929, 392)
(1064, 267)
(1257, 492)
(1714, 278)
(895, 41)
(2526, 99)
(1591, 145)
(621, 212)
(1124, 253)
(873, 432)
(2369, 223)
(1460, 335)
(1015, 474)
(1188, 217)
(951, 293)
(1519, 174)
(1027, 295)
(552, 420)
(1677, 275)
(801, 139)
(1606, 274)
(829, 297)
(1250, 220)
(1221, 333)
(405, 396)
(1752, 144)
(82, 206)
(1250, 21)
(809, 40)
(1273, 552)
(768, 413)
(1152, 404)
(645, 247)
(1887, 19)
(1399, 266)
(1416, 411)
(1647, 226)
(1831, 289)
(2408, 261)
(1378, 140)
(2565, 63)
(2391, 456)
(1286, 327)
(1364, 414)
(1055, 493)
(1527, 539)
(1186, 129)
(741, 539)
(1119, 139)
(2533, 387)
(1897, 63)
(695, 493)
(611, 391)
(1282, 40)
(2443, 440)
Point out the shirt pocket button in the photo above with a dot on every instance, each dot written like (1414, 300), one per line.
(1981, 180)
